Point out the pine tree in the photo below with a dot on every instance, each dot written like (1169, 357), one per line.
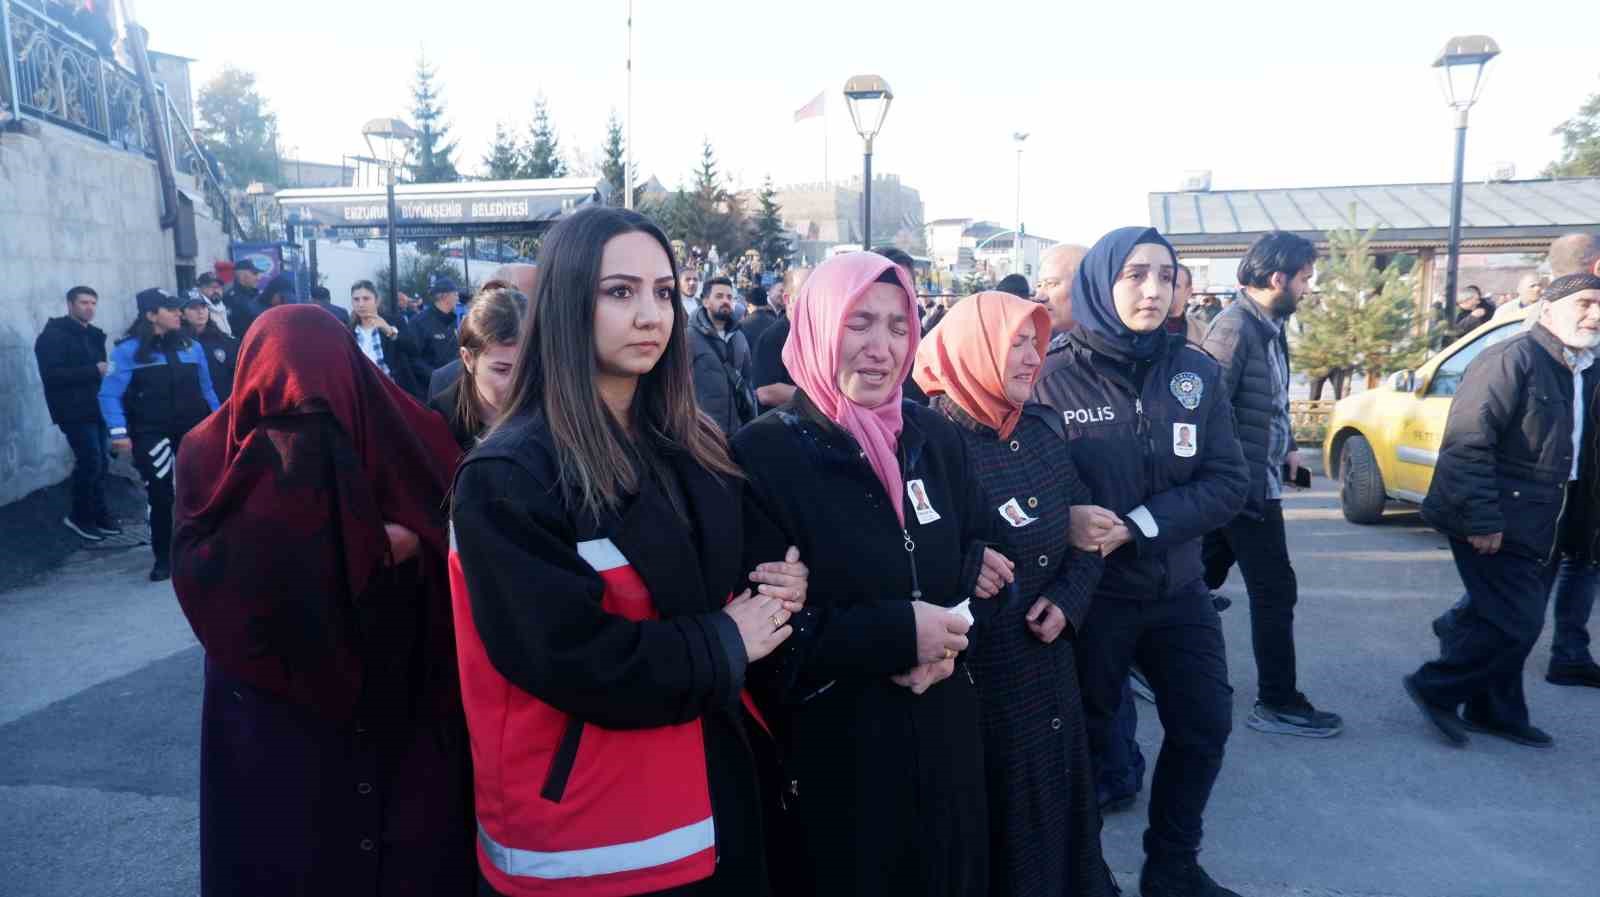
(1364, 319)
(434, 149)
(770, 238)
(543, 159)
(613, 161)
(504, 158)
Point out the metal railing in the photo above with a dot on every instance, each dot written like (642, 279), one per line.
(190, 159)
(54, 74)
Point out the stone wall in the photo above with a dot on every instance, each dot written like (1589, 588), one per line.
(72, 210)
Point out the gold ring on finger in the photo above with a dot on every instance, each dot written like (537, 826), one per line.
(775, 621)
(948, 654)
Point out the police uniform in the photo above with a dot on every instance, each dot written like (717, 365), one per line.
(154, 392)
(1153, 437)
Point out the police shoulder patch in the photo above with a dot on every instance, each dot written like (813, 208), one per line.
(1187, 388)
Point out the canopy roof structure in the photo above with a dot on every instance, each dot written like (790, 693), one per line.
(464, 208)
(1496, 216)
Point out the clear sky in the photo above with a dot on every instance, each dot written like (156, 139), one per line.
(1120, 98)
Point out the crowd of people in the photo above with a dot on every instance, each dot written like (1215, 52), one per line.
(517, 599)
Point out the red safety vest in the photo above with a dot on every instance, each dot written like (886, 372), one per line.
(568, 808)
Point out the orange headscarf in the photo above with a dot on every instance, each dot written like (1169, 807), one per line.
(964, 358)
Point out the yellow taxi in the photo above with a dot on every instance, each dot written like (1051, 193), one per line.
(1382, 444)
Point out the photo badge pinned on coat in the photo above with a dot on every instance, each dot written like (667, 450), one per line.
(920, 503)
(1013, 514)
(1184, 439)
(1187, 388)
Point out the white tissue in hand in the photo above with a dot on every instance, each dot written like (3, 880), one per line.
(964, 611)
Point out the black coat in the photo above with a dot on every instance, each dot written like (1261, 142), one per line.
(222, 357)
(1507, 452)
(241, 303)
(886, 787)
(1124, 420)
(755, 324)
(426, 344)
(515, 531)
(724, 382)
(69, 354)
(1239, 339)
(1044, 820)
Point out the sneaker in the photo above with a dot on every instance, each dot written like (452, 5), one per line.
(160, 572)
(1220, 602)
(108, 527)
(1443, 718)
(1532, 736)
(86, 533)
(1178, 876)
(1299, 718)
(1584, 674)
(1141, 685)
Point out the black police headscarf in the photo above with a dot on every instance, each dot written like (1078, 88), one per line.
(1094, 311)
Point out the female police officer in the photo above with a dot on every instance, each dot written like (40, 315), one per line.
(1152, 433)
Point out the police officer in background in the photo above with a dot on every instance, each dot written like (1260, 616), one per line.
(1152, 432)
(240, 299)
(429, 341)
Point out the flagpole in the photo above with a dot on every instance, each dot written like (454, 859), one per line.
(627, 176)
(824, 140)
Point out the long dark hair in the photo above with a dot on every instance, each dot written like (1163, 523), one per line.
(145, 332)
(556, 371)
(493, 319)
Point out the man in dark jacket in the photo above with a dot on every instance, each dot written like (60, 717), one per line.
(774, 386)
(430, 340)
(1509, 479)
(72, 360)
(240, 299)
(759, 319)
(322, 297)
(723, 377)
(1248, 340)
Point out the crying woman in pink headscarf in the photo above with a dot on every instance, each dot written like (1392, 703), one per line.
(874, 702)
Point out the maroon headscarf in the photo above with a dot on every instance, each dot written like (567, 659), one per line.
(282, 496)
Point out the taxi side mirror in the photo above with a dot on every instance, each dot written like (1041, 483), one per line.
(1403, 381)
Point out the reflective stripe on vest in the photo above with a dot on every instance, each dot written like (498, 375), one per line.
(660, 850)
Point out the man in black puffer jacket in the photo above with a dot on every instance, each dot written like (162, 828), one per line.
(1507, 481)
(72, 361)
(1248, 340)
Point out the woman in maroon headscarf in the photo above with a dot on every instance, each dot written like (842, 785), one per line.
(309, 556)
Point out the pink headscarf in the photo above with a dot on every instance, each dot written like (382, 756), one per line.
(811, 354)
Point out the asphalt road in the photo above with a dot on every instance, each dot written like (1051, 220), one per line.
(99, 730)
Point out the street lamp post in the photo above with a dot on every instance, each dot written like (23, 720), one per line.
(1016, 241)
(868, 97)
(395, 136)
(1461, 66)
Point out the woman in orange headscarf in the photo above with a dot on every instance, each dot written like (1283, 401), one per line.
(978, 368)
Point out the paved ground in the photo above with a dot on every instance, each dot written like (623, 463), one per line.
(99, 704)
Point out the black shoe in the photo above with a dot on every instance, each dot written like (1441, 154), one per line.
(1585, 674)
(1532, 736)
(1298, 718)
(160, 572)
(1220, 603)
(1443, 718)
(1441, 628)
(1178, 877)
(108, 527)
(86, 533)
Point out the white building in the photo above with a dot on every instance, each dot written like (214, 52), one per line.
(960, 246)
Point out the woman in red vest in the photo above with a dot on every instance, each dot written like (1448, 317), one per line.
(607, 597)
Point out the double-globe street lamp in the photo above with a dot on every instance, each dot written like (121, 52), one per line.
(868, 97)
(1461, 66)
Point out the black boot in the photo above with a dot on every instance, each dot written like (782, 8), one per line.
(1178, 875)
(160, 572)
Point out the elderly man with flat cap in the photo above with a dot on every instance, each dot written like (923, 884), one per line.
(1515, 485)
